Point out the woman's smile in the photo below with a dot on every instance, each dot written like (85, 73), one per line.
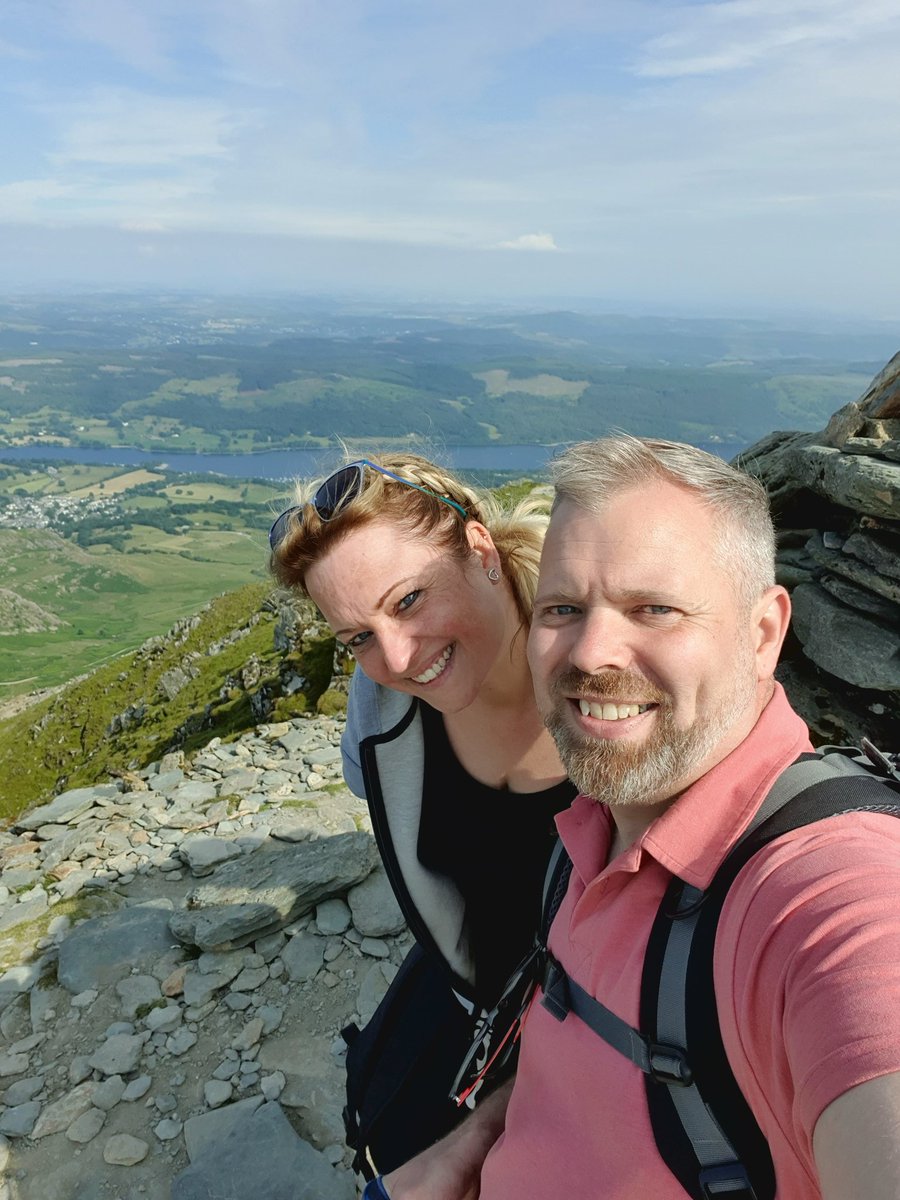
(437, 667)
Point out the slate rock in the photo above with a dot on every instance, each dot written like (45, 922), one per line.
(123, 1150)
(217, 1092)
(24, 911)
(193, 792)
(203, 1133)
(250, 979)
(19, 1121)
(374, 907)
(23, 1090)
(204, 854)
(119, 1054)
(86, 1127)
(108, 1093)
(271, 1016)
(243, 779)
(166, 781)
(269, 947)
(62, 1112)
(179, 1043)
(864, 485)
(857, 597)
(13, 1064)
(845, 643)
(103, 950)
(136, 992)
(168, 1129)
(333, 917)
(264, 1146)
(164, 1019)
(67, 806)
(303, 956)
(260, 893)
(875, 551)
(61, 847)
(137, 1088)
(850, 567)
(19, 979)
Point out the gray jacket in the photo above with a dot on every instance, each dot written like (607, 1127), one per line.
(384, 762)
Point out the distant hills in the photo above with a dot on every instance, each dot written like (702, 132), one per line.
(194, 373)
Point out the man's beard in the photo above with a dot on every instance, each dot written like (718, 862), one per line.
(621, 772)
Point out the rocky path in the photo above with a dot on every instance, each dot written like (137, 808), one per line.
(181, 949)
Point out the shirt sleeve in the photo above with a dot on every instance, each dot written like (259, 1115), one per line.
(807, 970)
(359, 702)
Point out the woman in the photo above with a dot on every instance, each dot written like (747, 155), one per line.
(431, 586)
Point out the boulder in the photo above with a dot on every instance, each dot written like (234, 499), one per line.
(103, 950)
(262, 892)
(836, 501)
(262, 1147)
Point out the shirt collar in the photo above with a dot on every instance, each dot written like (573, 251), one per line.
(691, 838)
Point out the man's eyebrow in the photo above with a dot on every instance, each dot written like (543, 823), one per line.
(650, 595)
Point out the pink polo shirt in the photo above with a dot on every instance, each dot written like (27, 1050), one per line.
(807, 973)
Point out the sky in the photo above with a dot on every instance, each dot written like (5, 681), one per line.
(721, 156)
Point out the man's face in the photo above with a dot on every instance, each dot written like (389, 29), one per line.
(646, 664)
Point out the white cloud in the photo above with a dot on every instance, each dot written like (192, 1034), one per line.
(125, 129)
(530, 241)
(737, 34)
(142, 227)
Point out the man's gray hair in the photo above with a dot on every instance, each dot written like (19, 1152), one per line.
(590, 473)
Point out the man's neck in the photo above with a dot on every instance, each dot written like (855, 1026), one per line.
(631, 823)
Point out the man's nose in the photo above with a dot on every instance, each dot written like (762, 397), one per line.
(603, 643)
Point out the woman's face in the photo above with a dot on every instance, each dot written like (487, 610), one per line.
(417, 619)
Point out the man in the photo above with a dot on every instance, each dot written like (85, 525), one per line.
(656, 633)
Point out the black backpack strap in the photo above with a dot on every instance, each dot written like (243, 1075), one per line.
(556, 883)
(706, 1133)
(704, 1128)
(496, 1034)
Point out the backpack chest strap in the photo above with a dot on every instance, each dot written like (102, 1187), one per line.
(721, 1173)
(562, 995)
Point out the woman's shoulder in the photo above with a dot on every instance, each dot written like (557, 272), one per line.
(373, 709)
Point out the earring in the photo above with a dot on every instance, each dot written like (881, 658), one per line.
(493, 575)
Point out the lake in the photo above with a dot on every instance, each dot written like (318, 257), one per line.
(288, 464)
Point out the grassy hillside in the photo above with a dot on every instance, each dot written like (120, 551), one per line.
(125, 715)
(125, 554)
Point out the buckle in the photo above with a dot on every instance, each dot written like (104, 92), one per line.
(729, 1180)
(556, 991)
(669, 1064)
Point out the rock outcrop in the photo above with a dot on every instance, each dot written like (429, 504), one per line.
(182, 947)
(836, 500)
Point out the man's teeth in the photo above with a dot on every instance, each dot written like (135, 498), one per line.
(436, 668)
(611, 712)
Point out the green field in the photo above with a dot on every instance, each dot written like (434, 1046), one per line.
(131, 580)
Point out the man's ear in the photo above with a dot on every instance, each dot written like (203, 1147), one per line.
(771, 617)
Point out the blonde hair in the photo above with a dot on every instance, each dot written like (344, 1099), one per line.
(589, 473)
(517, 531)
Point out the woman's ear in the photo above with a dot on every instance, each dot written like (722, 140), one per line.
(482, 545)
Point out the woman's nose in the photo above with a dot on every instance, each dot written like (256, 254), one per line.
(398, 649)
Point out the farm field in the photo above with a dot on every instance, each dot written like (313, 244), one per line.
(77, 592)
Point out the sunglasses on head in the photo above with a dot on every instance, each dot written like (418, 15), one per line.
(338, 490)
